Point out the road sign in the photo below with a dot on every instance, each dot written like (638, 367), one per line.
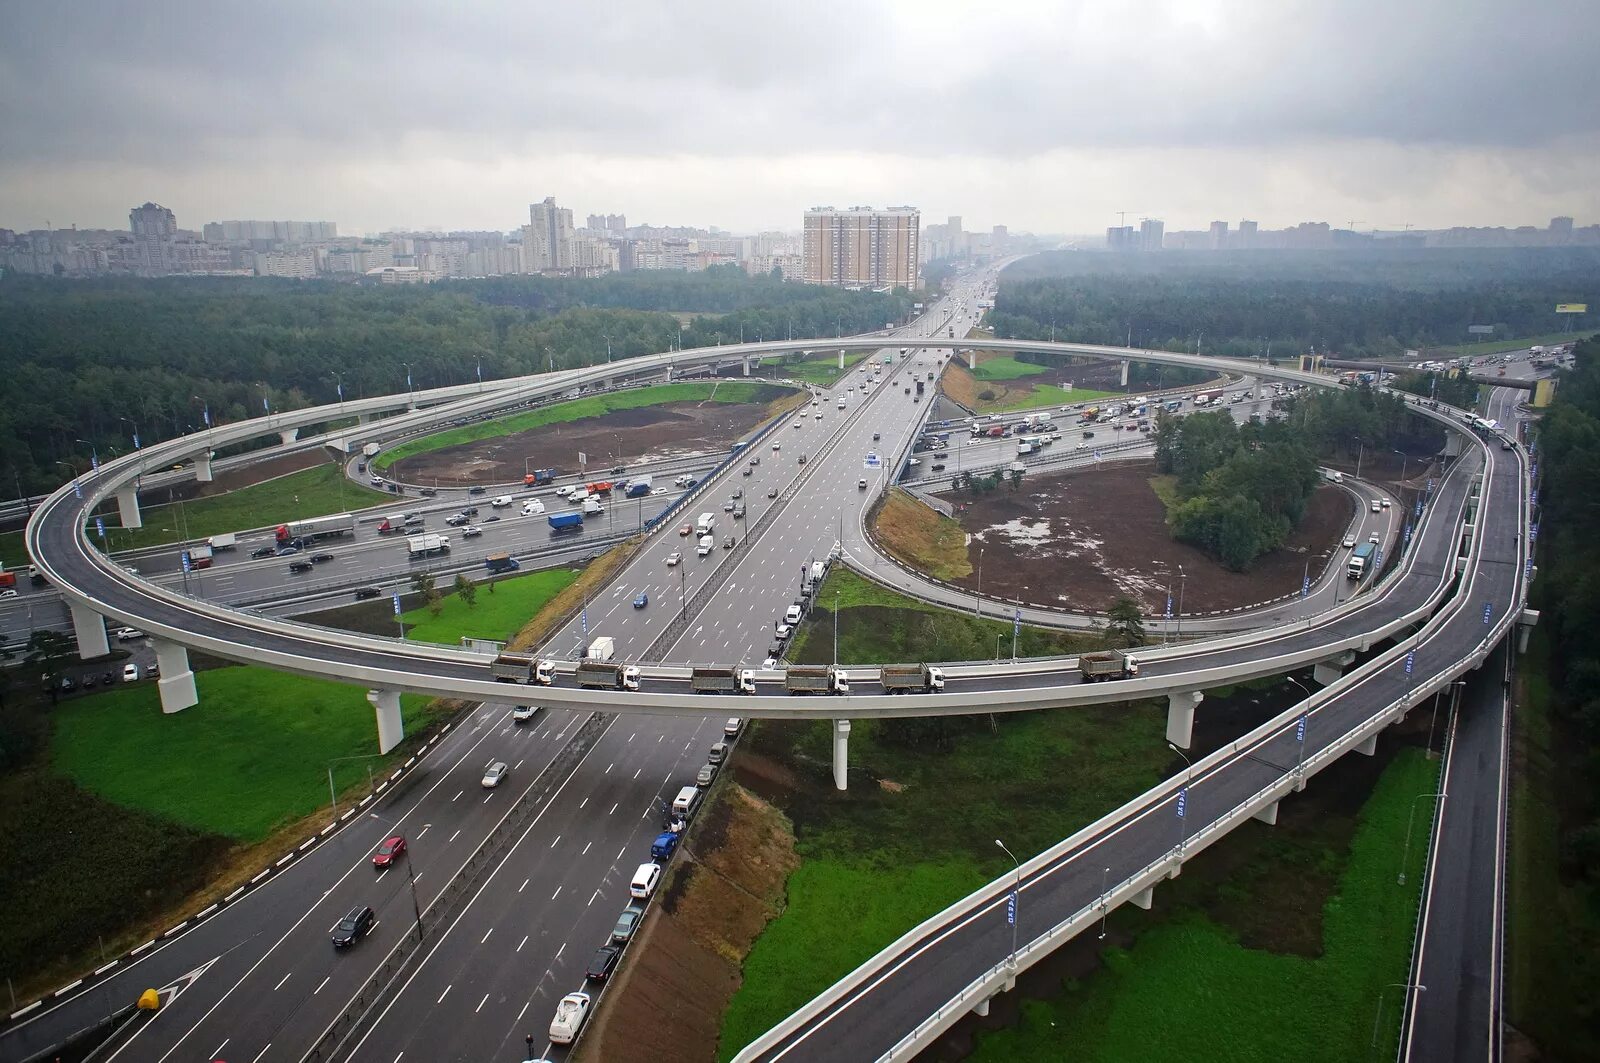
(1169, 607)
(1411, 660)
(583, 459)
(872, 461)
(1377, 558)
(1527, 569)
(396, 598)
(1488, 610)
(1305, 585)
(1183, 800)
(1300, 728)
(76, 489)
(1407, 537)
(1011, 908)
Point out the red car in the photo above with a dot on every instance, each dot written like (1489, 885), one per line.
(389, 852)
(686, 529)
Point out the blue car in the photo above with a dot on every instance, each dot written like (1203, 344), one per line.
(288, 551)
(641, 601)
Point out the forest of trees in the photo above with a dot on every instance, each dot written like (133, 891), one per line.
(90, 360)
(1279, 303)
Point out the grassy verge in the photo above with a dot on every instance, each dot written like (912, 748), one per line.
(1050, 395)
(594, 577)
(498, 611)
(734, 391)
(1193, 987)
(1499, 346)
(1553, 932)
(320, 491)
(1166, 489)
(822, 370)
(921, 537)
(1008, 388)
(993, 368)
(12, 553)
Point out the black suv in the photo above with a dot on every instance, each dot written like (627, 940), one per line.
(264, 551)
(353, 927)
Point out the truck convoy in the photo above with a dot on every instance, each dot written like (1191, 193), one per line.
(911, 679)
(565, 522)
(496, 563)
(602, 675)
(1107, 664)
(1360, 561)
(722, 680)
(426, 545)
(317, 527)
(816, 679)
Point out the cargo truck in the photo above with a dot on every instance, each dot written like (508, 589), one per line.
(640, 487)
(911, 679)
(1360, 561)
(722, 680)
(602, 648)
(318, 527)
(706, 524)
(1206, 398)
(539, 477)
(1107, 664)
(200, 556)
(919, 387)
(816, 679)
(565, 522)
(426, 545)
(599, 487)
(496, 563)
(370, 450)
(225, 541)
(602, 675)
(512, 668)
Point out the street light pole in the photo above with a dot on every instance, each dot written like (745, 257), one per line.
(1105, 901)
(1183, 581)
(1016, 902)
(977, 600)
(1300, 730)
(1400, 880)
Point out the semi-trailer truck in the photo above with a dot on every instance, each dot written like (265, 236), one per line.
(426, 545)
(565, 522)
(911, 679)
(1360, 561)
(496, 563)
(512, 668)
(317, 527)
(816, 679)
(722, 680)
(1107, 664)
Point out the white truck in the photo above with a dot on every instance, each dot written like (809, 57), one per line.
(706, 524)
(370, 450)
(427, 545)
(601, 649)
(224, 541)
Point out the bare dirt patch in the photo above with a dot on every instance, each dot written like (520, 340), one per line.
(621, 437)
(1080, 540)
(667, 1002)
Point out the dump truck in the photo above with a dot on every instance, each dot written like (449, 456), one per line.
(602, 675)
(426, 545)
(816, 679)
(539, 477)
(722, 681)
(501, 563)
(911, 679)
(200, 556)
(565, 522)
(512, 668)
(1107, 664)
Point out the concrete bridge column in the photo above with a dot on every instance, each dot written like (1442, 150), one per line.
(1368, 746)
(288, 435)
(1525, 623)
(1145, 897)
(747, 360)
(982, 1008)
(1125, 364)
(841, 754)
(841, 357)
(90, 629)
(202, 468)
(1268, 815)
(1328, 672)
(128, 507)
(391, 729)
(177, 680)
(1180, 717)
(363, 418)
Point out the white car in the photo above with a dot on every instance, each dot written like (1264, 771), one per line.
(777, 446)
(733, 726)
(674, 557)
(494, 773)
(127, 634)
(1349, 542)
(570, 1014)
(471, 531)
(532, 506)
(8, 593)
(523, 713)
(501, 503)
(769, 664)
(644, 881)
(130, 673)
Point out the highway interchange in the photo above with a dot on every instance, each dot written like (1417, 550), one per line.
(273, 985)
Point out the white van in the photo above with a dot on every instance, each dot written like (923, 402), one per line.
(707, 544)
(685, 802)
(591, 506)
(644, 881)
(532, 506)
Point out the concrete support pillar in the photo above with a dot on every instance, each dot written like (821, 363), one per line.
(841, 357)
(128, 507)
(202, 468)
(90, 629)
(363, 418)
(841, 754)
(1368, 746)
(1125, 364)
(288, 435)
(1268, 815)
(1180, 717)
(1328, 672)
(391, 729)
(1144, 897)
(982, 1008)
(1452, 445)
(747, 361)
(1525, 623)
(177, 679)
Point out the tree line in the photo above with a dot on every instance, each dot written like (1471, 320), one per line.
(90, 363)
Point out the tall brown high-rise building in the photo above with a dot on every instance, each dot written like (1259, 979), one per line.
(873, 248)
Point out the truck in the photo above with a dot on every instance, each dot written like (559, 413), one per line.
(539, 477)
(1107, 664)
(393, 522)
(512, 668)
(565, 522)
(1090, 414)
(426, 545)
(602, 675)
(370, 450)
(919, 387)
(224, 541)
(200, 556)
(1024, 447)
(705, 524)
(722, 680)
(599, 487)
(911, 679)
(496, 563)
(816, 679)
(995, 431)
(1360, 561)
(602, 648)
(592, 508)
(318, 527)
(1206, 398)
(640, 487)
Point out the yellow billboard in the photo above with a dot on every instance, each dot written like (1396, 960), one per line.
(1572, 308)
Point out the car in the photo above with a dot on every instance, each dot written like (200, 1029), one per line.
(777, 446)
(686, 529)
(771, 662)
(627, 923)
(152, 670)
(318, 559)
(748, 471)
(300, 566)
(354, 926)
(674, 558)
(728, 542)
(1375, 539)
(89, 681)
(494, 773)
(732, 728)
(107, 678)
(67, 684)
(772, 492)
(287, 551)
(603, 963)
(802, 459)
(937, 466)
(677, 482)
(491, 518)
(756, 460)
(783, 630)
(706, 773)
(376, 481)
(641, 600)
(475, 491)
(644, 881)
(691, 482)
(429, 492)
(727, 507)
(570, 1014)
(797, 424)
(875, 437)
(1349, 542)
(524, 713)
(127, 634)
(1377, 505)
(471, 531)
(456, 520)
(392, 849)
(264, 551)
(532, 506)
(819, 413)
(1385, 503)
(130, 673)
(618, 470)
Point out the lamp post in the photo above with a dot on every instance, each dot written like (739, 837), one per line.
(1015, 905)
(1183, 794)
(1405, 858)
(1300, 729)
(1183, 581)
(977, 599)
(1105, 901)
(1404, 458)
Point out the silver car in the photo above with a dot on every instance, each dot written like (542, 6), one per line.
(496, 771)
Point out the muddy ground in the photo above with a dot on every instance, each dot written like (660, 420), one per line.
(623, 437)
(1079, 540)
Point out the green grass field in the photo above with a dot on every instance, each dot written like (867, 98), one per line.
(1050, 395)
(734, 391)
(497, 614)
(992, 368)
(252, 756)
(1187, 989)
(1499, 345)
(321, 490)
(823, 370)
(12, 553)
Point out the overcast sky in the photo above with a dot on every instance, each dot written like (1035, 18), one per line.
(1049, 117)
